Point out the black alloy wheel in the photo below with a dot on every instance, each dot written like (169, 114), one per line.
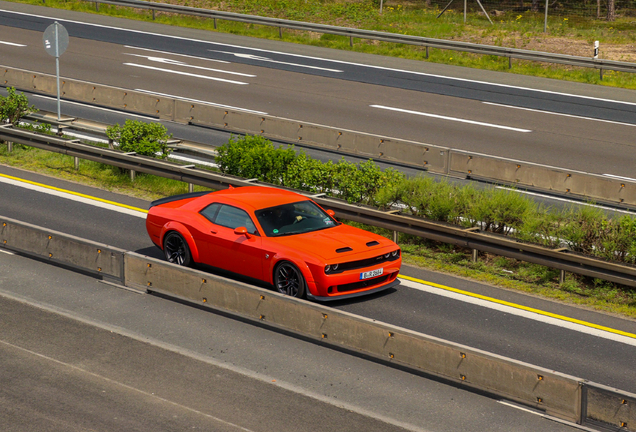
(288, 280)
(176, 249)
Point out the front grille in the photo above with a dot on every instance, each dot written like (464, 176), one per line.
(363, 284)
(352, 265)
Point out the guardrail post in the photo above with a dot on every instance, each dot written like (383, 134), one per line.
(132, 175)
(111, 144)
(509, 62)
(280, 32)
(96, 7)
(76, 163)
(427, 52)
(190, 187)
(601, 74)
(9, 146)
(351, 41)
(562, 277)
(153, 14)
(396, 236)
(214, 23)
(475, 253)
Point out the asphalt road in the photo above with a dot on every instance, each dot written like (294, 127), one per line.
(80, 355)
(556, 123)
(601, 358)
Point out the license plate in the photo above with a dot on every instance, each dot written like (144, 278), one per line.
(372, 273)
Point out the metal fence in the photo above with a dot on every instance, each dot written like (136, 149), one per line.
(511, 53)
(471, 238)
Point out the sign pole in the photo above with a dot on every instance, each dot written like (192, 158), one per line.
(55, 40)
(57, 69)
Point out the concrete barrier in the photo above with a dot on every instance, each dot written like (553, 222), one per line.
(556, 394)
(559, 180)
(609, 406)
(436, 159)
(62, 248)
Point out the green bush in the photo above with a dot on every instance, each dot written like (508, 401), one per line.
(583, 229)
(256, 157)
(146, 139)
(14, 107)
(253, 156)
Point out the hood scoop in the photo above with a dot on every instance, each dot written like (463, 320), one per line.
(344, 249)
(373, 243)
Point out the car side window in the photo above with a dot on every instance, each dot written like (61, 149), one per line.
(210, 211)
(233, 218)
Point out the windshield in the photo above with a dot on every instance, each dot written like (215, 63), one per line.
(296, 218)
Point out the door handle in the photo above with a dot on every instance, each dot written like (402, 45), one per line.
(213, 232)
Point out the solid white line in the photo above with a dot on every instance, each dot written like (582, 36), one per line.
(521, 408)
(202, 102)
(176, 54)
(559, 114)
(190, 160)
(182, 64)
(76, 198)
(6, 252)
(327, 60)
(12, 44)
(425, 74)
(269, 60)
(563, 199)
(521, 313)
(620, 177)
(185, 73)
(451, 118)
(97, 108)
(547, 417)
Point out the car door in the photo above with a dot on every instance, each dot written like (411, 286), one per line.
(238, 253)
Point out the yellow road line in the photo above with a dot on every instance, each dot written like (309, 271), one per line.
(74, 193)
(521, 307)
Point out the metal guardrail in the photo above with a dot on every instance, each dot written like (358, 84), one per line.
(434, 158)
(511, 53)
(468, 238)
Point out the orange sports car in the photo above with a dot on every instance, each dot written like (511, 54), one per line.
(274, 236)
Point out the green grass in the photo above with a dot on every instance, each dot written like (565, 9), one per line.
(499, 271)
(519, 30)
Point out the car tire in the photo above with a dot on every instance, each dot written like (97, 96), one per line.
(289, 280)
(176, 249)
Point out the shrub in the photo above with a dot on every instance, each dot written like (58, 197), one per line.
(146, 139)
(14, 107)
(253, 156)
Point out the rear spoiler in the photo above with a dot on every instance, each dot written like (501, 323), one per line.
(178, 197)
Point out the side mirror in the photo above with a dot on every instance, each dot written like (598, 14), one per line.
(242, 231)
(331, 213)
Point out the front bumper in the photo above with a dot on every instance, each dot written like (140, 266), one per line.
(395, 283)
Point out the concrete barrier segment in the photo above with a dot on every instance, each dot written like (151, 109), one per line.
(610, 407)
(62, 248)
(559, 180)
(556, 394)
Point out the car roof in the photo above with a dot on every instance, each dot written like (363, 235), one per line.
(257, 197)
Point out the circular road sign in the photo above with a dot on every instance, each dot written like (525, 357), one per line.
(49, 38)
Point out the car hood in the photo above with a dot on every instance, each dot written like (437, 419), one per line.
(333, 244)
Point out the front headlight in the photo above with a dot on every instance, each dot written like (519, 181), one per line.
(327, 268)
(387, 256)
(395, 253)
